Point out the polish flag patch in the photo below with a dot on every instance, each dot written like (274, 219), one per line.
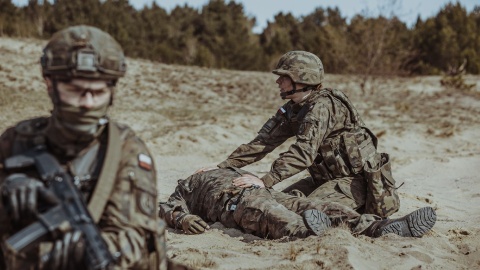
(281, 110)
(145, 162)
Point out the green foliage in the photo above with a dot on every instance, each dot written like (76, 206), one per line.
(225, 31)
(12, 20)
(37, 14)
(64, 13)
(323, 33)
(444, 41)
(220, 35)
(278, 37)
(382, 41)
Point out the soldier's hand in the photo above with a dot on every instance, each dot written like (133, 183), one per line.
(248, 180)
(21, 195)
(66, 253)
(193, 224)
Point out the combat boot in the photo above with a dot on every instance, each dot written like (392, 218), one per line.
(316, 221)
(414, 224)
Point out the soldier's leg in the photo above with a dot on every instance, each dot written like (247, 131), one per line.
(338, 213)
(361, 223)
(348, 191)
(317, 221)
(415, 224)
(259, 214)
(335, 211)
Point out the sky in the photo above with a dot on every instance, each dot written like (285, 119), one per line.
(265, 10)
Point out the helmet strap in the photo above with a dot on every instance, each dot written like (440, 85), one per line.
(294, 90)
(55, 95)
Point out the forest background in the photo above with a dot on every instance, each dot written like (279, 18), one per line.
(220, 35)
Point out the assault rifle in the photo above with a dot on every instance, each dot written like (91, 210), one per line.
(70, 214)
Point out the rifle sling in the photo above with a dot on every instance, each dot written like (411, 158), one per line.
(108, 174)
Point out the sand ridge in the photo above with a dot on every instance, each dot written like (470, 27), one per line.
(192, 117)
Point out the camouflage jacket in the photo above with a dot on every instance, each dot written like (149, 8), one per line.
(203, 194)
(331, 140)
(128, 223)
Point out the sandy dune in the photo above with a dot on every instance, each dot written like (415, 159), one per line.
(193, 117)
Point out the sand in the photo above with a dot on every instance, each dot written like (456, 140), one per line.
(192, 117)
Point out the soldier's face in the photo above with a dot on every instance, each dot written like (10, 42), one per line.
(285, 84)
(84, 93)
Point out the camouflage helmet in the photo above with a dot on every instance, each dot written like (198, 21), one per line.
(83, 52)
(301, 66)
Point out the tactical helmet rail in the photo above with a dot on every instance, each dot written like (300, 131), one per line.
(83, 52)
(301, 66)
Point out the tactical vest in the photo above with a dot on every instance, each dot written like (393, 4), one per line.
(344, 153)
(88, 169)
(85, 168)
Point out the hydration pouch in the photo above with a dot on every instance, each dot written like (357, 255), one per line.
(360, 149)
(333, 159)
(353, 152)
(382, 197)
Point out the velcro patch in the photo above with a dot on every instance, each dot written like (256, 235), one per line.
(145, 162)
(146, 203)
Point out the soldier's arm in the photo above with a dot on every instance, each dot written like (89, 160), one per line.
(129, 223)
(303, 152)
(176, 206)
(272, 134)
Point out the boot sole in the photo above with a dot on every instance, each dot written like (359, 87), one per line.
(317, 221)
(414, 224)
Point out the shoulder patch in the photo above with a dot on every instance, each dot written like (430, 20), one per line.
(145, 162)
(146, 203)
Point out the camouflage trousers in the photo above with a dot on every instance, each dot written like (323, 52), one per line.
(349, 192)
(272, 214)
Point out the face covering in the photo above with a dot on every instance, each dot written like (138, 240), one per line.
(81, 120)
(73, 128)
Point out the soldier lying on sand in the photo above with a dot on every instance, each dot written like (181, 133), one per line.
(210, 196)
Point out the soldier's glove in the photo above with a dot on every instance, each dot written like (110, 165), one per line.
(21, 194)
(191, 224)
(66, 253)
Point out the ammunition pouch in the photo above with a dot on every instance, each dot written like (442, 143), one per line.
(344, 155)
(319, 171)
(382, 197)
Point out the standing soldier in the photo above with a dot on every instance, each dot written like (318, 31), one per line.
(110, 167)
(332, 143)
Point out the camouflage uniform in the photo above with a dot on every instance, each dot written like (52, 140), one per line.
(322, 124)
(262, 212)
(111, 167)
(332, 142)
(129, 223)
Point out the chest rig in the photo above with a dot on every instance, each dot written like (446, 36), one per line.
(84, 168)
(295, 114)
(345, 150)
